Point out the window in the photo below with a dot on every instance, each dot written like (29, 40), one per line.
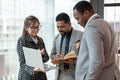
(12, 15)
(112, 14)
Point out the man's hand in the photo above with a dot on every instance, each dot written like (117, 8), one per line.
(70, 61)
(58, 56)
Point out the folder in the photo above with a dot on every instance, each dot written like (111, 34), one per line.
(33, 58)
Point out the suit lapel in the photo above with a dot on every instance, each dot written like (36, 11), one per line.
(58, 43)
(71, 40)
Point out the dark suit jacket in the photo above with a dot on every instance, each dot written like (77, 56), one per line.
(26, 72)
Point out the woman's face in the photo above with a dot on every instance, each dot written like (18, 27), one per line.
(33, 30)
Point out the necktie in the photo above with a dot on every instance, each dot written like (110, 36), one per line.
(65, 49)
(66, 66)
(62, 38)
(65, 39)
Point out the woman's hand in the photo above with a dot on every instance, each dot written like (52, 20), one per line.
(38, 70)
(42, 51)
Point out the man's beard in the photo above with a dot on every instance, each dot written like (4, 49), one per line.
(63, 33)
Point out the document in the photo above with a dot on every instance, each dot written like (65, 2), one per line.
(49, 67)
(33, 58)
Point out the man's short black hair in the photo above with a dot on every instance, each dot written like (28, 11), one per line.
(63, 17)
(81, 6)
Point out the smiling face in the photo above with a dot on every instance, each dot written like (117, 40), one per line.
(63, 27)
(81, 18)
(33, 29)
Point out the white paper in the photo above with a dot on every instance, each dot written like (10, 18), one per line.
(49, 67)
(33, 58)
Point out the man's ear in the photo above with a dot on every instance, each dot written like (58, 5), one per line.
(86, 13)
(69, 23)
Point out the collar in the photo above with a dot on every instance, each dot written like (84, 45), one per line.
(35, 40)
(91, 18)
(28, 37)
(69, 33)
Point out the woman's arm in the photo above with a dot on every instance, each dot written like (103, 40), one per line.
(23, 66)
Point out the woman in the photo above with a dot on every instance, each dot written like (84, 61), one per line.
(30, 39)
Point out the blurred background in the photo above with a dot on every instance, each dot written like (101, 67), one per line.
(13, 13)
